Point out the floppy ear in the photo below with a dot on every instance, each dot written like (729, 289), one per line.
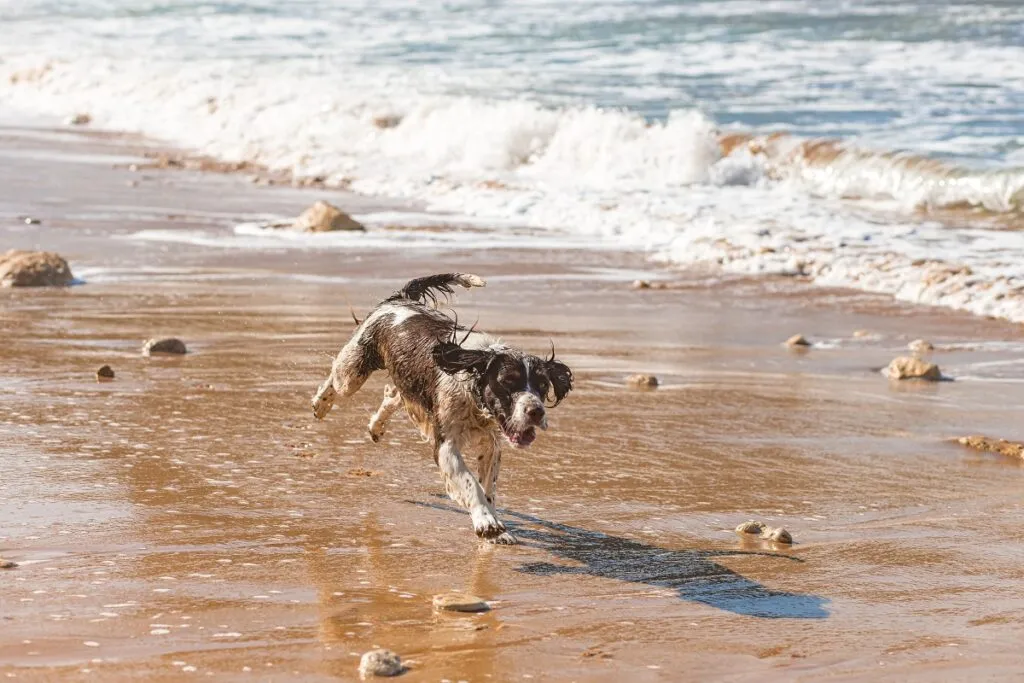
(561, 379)
(452, 358)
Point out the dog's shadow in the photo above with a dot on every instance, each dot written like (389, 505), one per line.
(692, 574)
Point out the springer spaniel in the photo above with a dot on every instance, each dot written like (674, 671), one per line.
(464, 394)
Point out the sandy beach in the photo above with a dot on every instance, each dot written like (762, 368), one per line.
(192, 519)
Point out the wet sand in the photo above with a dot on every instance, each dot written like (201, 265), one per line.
(190, 518)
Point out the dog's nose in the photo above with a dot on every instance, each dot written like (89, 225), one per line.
(535, 413)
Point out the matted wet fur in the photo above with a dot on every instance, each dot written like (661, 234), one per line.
(466, 391)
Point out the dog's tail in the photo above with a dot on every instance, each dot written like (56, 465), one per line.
(428, 288)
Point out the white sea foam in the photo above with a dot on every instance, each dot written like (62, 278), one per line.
(526, 114)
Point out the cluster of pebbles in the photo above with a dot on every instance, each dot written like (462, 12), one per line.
(385, 663)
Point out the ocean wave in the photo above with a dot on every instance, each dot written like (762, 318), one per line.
(835, 168)
(678, 188)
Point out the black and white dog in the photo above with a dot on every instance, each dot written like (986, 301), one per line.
(466, 391)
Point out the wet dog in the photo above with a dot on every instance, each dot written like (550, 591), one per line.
(466, 391)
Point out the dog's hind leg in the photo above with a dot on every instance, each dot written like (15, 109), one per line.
(348, 373)
(464, 488)
(379, 422)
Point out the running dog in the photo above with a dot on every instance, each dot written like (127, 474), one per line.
(464, 390)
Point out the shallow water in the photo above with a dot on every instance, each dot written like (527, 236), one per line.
(191, 517)
(599, 119)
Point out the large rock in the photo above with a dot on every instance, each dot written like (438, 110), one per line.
(34, 269)
(324, 217)
(913, 368)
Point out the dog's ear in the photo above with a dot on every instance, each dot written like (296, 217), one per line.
(561, 379)
(452, 358)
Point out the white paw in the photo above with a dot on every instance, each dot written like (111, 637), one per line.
(486, 525)
(321, 408)
(504, 539)
(376, 430)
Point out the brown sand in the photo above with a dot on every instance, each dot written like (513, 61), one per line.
(190, 517)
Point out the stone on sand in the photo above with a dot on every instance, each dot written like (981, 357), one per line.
(642, 381)
(7, 564)
(1000, 446)
(324, 217)
(920, 346)
(459, 602)
(169, 345)
(105, 373)
(79, 120)
(383, 663)
(905, 367)
(763, 531)
(34, 269)
(751, 527)
(797, 340)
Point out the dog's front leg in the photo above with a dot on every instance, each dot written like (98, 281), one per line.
(490, 465)
(464, 489)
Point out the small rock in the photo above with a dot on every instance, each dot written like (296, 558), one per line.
(797, 340)
(459, 602)
(1000, 446)
(7, 564)
(751, 527)
(169, 345)
(106, 373)
(380, 663)
(913, 368)
(860, 334)
(641, 284)
(324, 217)
(32, 221)
(387, 121)
(360, 472)
(642, 381)
(34, 269)
(762, 530)
(920, 346)
(79, 120)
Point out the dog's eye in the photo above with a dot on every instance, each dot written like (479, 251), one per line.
(542, 386)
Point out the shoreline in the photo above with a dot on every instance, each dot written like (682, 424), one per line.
(190, 517)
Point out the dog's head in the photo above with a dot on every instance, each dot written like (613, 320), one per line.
(514, 387)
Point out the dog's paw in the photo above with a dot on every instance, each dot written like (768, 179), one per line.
(504, 539)
(376, 431)
(321, 407)
(486, 525)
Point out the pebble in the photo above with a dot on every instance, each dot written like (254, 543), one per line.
(79, 120)
(797, 340)
(7, 564)
(459, 602)
(105, 373)
(920, 346)
(169, 345)
(1001, 446)
(380, 663)
(642, 381)
(762, 530)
